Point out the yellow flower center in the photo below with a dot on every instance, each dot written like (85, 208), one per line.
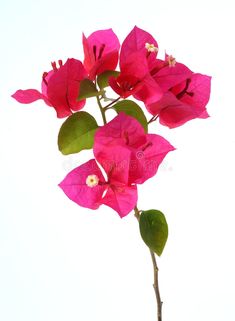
(151, 47)
(171, 61)
(92, 180)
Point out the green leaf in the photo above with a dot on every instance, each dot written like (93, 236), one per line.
(154, 230)
(103, 78)
(130, 108)
(77, 133)
(88, 89)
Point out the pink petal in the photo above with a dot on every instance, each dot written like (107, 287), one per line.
(204, 114)
(100, 51)
(45, 81)
(121, 198)
(177, 115)
(135, 42)
(200, 86)
(108, 62)
(123, 130)
(146, 160)
(125, 85)
(150, 91)
(27, 96)
(134, 75)
(135, 65)
(115, 160)
(172, 112)
(63, 87)
(169, 77)
(75, 187)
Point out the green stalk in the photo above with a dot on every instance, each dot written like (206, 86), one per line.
(155, 273)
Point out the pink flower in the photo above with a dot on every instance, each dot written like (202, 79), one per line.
(60, 88)
(136, 80)
(86, 186)
(138, 40)
(137, 51)
(101, 52)
(184, 101)
(168, 73)
(146, 150)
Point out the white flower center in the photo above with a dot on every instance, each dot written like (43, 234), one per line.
(171, 61)
(92, 180)
(151, 47)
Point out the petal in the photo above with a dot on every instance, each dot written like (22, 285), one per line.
(122, 130)
(135, 42)
(168, 77)
(63, 87)
(146, 160)
(115, 160)
(121, 198)
(125, 85)
(177, 115)
(100, 51)
(45, 80)
(27, 96)
(204, 114)
(200, 86)
(135, 65)
(150, 91)
(75, 187)
(107, 62)
(133, 72)
(172, 112)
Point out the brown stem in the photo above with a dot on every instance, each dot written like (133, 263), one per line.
(154, 118)
(156, 287)
(112, 102)
(155, 271)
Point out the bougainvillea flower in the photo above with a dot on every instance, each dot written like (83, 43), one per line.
(140, 41)
(138, 51)
(100, 52)
(135, 79)
(60, 88)
(147, 150)
(86, 186)
(183, 102)
(169, 73)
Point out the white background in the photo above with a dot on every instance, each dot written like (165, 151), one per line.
(59, 262)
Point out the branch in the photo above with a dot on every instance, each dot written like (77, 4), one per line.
(155, 273)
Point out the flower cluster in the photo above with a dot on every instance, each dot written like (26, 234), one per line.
(128, 157)
(125, 154)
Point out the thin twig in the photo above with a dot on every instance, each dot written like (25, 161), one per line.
(101, 110)
(155, 273)
(156, 287)
(112, 102)
(154, 118)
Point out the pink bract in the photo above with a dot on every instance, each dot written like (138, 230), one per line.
(101, 51)
(183, 102)
(60, 88)
(135, 79)
(167, 76)
(147, 150)
(138, 51)
(136, 41)
(116, 192)
(75, 187)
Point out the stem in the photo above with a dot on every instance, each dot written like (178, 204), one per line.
(112, 102)
(154, 118)
(156, 287)
(101, 110)
(155, 271)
